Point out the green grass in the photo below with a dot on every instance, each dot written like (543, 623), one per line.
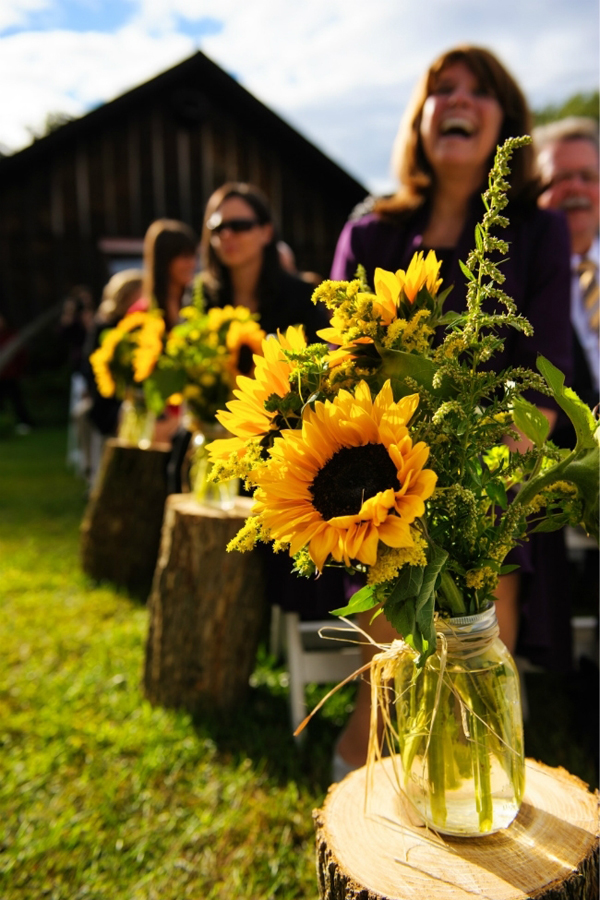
(103, 797)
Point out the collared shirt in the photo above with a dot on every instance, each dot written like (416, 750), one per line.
(580, 316)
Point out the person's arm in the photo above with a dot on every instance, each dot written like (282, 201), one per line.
(547, 302)
(347, 253)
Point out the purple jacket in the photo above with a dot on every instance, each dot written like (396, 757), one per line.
(537, 271)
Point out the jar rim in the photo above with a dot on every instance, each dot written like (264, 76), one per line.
(460, 621)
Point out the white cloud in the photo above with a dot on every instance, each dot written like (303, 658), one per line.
(69, 72)
(340, 70)
(16, 12)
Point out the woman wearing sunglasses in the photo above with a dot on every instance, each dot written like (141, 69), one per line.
(241, 263)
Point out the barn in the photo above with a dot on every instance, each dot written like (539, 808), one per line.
(74, 205)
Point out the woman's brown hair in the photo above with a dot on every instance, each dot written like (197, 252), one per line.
(408, 159)
(164, 240)
(213, 271)
(215, 276)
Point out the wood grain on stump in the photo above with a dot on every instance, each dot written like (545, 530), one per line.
(549, 851)
(206, 609)
(120, 532)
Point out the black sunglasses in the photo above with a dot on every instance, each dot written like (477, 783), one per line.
(235, 225)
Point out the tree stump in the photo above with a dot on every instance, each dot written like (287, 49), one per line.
(549, 851)
(206, 609)
(120, 532)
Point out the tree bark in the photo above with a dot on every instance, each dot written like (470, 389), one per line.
(548, 853)
(206, 609)
(120, 532)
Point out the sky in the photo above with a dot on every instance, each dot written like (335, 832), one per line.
(340, 71)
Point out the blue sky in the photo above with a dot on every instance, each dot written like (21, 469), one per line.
(341, 71)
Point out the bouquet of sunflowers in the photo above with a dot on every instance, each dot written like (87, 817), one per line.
(204, 354)
(386, 456)
(128, 353)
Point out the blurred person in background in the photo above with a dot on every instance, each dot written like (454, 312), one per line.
(242, 266)
(120, 293)
(567, 159)
(74, 325)
(463, 107)
(169, 266)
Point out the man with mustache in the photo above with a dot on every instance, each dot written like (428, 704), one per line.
(567, 159)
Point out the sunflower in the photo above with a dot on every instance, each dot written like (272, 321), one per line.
(244, 339)
(422, 272)
(364, 317)
(349, 479)
(149, 346)
(246, 416)
(99, 362)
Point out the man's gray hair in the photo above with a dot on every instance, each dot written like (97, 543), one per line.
(572, 128)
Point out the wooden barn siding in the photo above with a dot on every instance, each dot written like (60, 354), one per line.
(148, 165)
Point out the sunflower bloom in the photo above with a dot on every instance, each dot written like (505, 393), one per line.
(348, 480)
(246, 416)
(422, 272)
(149, 346)
(99, 362)
(244, 340)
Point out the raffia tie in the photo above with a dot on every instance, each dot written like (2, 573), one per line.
(451, 647)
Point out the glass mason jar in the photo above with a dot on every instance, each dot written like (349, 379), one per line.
(460, 730)
(221, 495)
(136, 422)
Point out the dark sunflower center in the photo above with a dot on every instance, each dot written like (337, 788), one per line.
(350, 477)
(245, 361)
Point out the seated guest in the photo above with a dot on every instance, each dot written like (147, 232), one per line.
(242, 266)
(169, 266)
(567, 159)
(241, 263)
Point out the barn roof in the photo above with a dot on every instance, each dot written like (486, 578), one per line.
(209, 88)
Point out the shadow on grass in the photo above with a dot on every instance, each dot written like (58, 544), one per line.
(260, 729)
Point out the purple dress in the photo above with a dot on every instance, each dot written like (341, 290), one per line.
(537, 271)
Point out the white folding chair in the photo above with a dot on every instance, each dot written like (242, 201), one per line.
(312, 659)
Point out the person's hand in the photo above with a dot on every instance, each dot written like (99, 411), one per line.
(165, 429)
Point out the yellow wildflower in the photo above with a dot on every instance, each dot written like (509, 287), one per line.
(246, 537)
(391, 560)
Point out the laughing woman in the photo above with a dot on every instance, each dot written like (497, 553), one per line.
(463, 107)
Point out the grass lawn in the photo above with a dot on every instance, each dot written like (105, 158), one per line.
(103, 797)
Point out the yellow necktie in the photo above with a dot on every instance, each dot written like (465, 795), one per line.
(588, 283)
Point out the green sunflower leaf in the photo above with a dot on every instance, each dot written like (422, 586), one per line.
(497, 493)
(579, 414)
(530, 421)
(162, 383)
(397, 365)
(360, 602)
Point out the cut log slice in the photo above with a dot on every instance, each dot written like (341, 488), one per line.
(120, 532)
(549, 851)
(206, 609)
